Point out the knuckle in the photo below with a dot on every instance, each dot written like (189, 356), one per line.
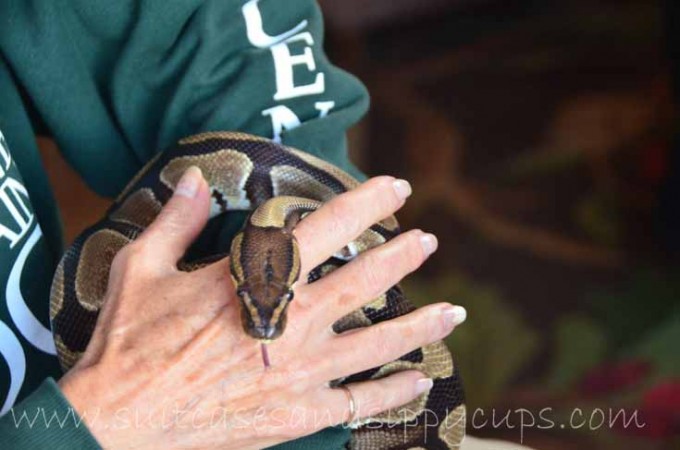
(387, 396)
(437, 325)
(398, 336)
(378, 403)
(379, 397)
(130, 260)
(383, 188)
(409, 253)
(374, 404)
(123, 257)
(342, 220)
(170, 218)
(135, 249)
(414, 247)
(303, 306)
(382, 182)
(344, 297)
(383, 342)
(411, 329)
(372, 273)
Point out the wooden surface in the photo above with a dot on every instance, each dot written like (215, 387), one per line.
(78, 204)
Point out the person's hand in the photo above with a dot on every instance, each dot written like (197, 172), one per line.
(169, 366)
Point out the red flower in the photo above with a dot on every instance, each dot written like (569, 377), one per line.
(660, 412)
(611, 378)
(663, 401)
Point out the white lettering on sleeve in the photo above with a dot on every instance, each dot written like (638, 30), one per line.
(255, 31)
(282, 118)
(11, 351)
(11, 199)
(29, 326)
(323, 108)
(285, 62)
(4, 154)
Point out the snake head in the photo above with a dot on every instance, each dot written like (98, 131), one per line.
(264, 266)
(263, 310)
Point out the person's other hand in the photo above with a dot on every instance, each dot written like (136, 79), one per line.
(169, 366)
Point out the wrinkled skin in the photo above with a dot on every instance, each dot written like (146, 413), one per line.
(169, 366)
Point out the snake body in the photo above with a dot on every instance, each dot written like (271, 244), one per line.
(279, 186)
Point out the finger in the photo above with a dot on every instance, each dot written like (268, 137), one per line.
(389, 340)
(345, 217)
(368, 276)
(375, 396)
(181, 219)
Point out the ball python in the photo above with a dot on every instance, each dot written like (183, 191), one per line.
(278, 185)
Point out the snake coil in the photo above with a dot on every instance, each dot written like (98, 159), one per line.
(279, 185)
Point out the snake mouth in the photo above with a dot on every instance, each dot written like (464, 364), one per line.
(264, 333)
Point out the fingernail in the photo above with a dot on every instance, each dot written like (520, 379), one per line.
(423, 385)
(454, 315)
(189, 183)
(429, 243)
(402, 188)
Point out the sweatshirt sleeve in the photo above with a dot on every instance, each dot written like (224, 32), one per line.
(45, 420)
(114, 82)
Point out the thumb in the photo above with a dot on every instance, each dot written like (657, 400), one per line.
(181, 219)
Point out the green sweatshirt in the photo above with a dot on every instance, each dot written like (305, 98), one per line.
(113, 82)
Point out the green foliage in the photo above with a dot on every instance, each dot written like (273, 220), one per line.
(640, 320)
(580, 344)
(638, 307)
(492, 346)
(660, 347)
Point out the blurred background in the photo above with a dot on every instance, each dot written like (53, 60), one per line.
(538, 137)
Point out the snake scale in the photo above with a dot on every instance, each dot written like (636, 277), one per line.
(278, 185)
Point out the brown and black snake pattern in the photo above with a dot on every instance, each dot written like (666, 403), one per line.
(249, 173)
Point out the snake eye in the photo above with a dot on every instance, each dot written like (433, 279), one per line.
(289, 296)
(241, 291)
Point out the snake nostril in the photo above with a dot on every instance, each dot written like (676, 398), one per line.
(270, 331)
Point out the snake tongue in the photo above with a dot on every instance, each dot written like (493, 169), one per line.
(265, 356)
